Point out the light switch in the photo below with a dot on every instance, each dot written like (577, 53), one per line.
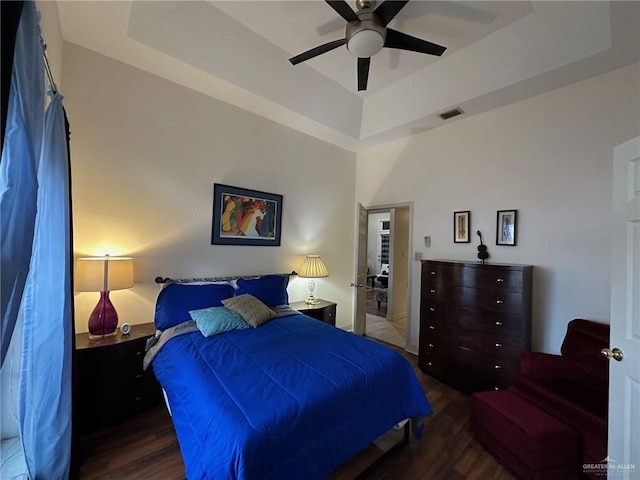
(417, 256)
(427, 241)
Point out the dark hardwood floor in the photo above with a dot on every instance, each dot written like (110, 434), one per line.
(146, 447)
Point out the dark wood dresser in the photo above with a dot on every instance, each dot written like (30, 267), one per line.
(111, 383)
(474, 321)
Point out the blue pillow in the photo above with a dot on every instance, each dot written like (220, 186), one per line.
(215, 320)
(177, 299)
(269, 289)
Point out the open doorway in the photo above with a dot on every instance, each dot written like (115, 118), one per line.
(387, 274)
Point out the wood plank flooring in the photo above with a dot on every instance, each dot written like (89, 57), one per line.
(146, 447)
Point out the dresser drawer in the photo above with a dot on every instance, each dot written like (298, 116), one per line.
(503, 280)
(480, 321)
(435, 273)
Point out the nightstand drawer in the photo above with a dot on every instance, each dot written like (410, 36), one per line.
(324, 311)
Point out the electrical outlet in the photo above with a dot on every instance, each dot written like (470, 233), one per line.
(417, 256)
(427, 241)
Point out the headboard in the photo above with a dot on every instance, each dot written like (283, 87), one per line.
(167, 280)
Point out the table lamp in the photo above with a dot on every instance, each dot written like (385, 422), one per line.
(103, 274)
(313, 267)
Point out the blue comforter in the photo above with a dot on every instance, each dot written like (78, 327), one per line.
(294, 398)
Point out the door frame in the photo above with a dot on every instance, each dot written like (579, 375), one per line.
(384, 208)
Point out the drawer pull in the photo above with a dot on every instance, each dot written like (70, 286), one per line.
(433, 273)
(433, 290)
(496, 388)
(499, 324)
(431, 327)
(139, 354)
(498, 345)
(466, 349)
(139, 375)
(431, 345)
(497, 367)
(499, 302)
(430, 364)
(431, 309)
(138, 399)
(500, 280)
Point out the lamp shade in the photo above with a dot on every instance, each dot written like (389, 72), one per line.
(313, 267)
(103, 274)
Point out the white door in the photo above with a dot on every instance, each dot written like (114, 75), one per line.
(360, 316)
(624, 384)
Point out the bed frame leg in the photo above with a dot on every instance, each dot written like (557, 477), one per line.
(367, 472)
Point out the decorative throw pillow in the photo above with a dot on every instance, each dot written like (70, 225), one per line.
(269, 289)
(252, 310)
(215, 320)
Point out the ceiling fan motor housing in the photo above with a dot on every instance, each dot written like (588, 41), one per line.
(366, 37)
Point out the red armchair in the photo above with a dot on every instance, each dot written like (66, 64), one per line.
(572, 387)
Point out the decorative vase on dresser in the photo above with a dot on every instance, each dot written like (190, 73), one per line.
(475, 319)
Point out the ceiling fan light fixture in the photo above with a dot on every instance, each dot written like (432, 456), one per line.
(365, 43)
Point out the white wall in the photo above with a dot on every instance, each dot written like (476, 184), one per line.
(549, 157)
(145, 154)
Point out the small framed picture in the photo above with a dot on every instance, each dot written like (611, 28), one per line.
(461, 224)
(507, 227)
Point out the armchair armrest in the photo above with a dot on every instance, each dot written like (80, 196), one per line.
(546, 365)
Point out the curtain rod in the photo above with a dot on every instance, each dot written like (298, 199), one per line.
(49, 74)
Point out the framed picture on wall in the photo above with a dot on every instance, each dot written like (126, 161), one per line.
(461, 225)
(507, 227)
(245, 217)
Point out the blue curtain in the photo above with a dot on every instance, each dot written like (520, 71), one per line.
(18, 169)
(45, 377)
(36, 256)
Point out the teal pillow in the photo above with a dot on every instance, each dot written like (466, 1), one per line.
(215, 320)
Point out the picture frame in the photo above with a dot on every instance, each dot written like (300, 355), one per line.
(461, 226)
(245, 217)
(507, 227)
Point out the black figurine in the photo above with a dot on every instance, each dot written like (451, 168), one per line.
(482, 249)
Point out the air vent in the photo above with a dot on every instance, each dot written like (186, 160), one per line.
(450, 113)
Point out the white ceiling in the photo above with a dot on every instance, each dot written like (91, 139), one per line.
(497, 53)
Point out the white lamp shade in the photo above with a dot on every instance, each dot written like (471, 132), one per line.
(103, 274)
(313, 267)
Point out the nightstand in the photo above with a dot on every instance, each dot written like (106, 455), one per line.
(324, 311)
(111, 383)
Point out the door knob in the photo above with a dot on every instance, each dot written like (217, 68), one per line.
(614, 353)
(359, 285)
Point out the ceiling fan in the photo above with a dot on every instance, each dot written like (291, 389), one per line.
(367, 33)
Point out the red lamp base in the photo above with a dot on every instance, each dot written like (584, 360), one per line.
(103, 321)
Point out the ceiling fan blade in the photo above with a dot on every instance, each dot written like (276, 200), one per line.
(363, 73)
(343, 9)
(403, 41)
(319, 50)
(389, 9)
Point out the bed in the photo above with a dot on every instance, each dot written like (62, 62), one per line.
(289, 398)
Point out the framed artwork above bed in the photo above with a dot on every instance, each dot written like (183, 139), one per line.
(245, 217)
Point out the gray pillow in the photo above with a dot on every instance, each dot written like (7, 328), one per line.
(252, 310)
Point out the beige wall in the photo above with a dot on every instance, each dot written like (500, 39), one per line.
(145, 154)
(549, 157)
